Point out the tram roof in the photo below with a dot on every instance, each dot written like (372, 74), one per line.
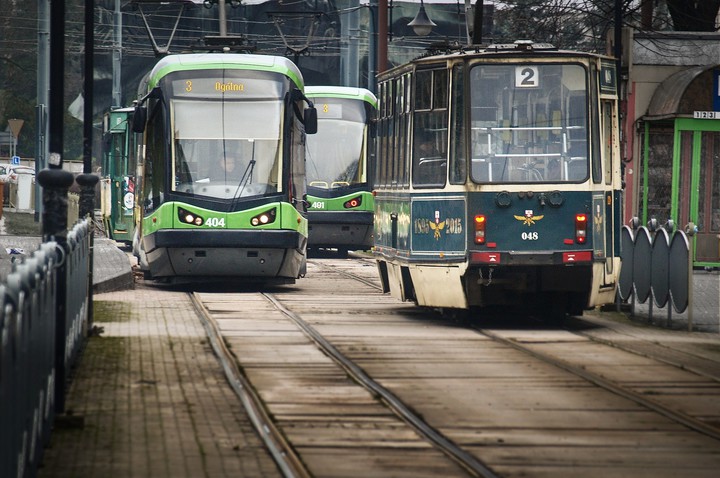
(227, 61)
(518, 49)
(342, 92)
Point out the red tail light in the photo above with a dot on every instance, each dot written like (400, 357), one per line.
(480, 229)
(581, 228)
(354, 202)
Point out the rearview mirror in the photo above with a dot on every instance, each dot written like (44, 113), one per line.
(310, 120)
(139, 119)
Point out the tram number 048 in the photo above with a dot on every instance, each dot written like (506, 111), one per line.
(529, 236)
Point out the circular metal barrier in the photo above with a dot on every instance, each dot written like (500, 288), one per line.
(655, 263)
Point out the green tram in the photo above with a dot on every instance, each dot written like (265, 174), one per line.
(117, 183)
(339, 159)
(498, 179)
(221, 178)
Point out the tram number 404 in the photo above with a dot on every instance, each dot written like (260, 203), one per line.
(215, 222)
(529, 236)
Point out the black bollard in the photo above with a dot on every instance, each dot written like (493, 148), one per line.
(87, 184)
(55, 185)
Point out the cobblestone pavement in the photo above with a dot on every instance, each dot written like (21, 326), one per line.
(149, 399)
(704, 304)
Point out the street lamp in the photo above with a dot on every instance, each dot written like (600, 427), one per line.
(421, 24)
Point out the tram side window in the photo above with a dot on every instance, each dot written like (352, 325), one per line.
(458, 159)
(608, 140)
(398, 149)
(430, 129)
(596, 146)
(389, 147)
(404, 121)
(154, 189)
(383, 137)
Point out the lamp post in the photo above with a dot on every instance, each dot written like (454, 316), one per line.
(421, 24)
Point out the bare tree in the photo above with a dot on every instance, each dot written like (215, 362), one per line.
(694, 16)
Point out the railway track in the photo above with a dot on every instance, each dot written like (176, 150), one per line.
(356, 384)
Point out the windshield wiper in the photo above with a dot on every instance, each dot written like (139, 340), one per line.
(247, 174)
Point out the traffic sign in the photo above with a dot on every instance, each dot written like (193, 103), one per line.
(15, 160)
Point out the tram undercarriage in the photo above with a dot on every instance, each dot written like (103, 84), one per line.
(545, 290)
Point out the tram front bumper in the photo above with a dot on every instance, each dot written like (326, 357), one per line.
(225, 238)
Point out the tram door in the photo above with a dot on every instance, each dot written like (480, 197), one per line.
(604, 207)
(696, 185)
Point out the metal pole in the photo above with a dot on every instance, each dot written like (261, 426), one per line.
(350, 28)
(87, 180)
(372, 45)
(57, 83)
(222, 18)
(43, 75)
(88, 86)
(478, 19)
(117, 56)
(56, 182)
(382, 33)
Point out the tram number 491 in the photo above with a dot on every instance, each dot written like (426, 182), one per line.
(529, 236)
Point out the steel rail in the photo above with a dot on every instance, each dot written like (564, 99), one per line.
(284, 455)
(674, 415)
(630, 349)
(444, 444)
(347, 274)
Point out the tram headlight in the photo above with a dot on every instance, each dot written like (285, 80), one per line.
(190, 217)
(267, 217)
(581, 228)
(480, 224)
(354, 202)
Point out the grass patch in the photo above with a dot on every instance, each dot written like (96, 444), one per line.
(21, 224)
(111, 311)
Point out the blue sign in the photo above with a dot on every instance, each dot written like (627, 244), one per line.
(16, 159)
(438, 225)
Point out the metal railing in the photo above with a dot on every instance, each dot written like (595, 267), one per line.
(44, 315)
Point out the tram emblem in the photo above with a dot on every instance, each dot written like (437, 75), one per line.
(598, 219)
(437, 226)
(528, 219)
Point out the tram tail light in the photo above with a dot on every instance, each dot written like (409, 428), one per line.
(190, 217)
(267, 217)
(480, 229)
(581, 228)
(354, 202)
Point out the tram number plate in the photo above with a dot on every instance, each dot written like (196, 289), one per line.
(215, 222)
(527, 77)
(318, 205)
(529, 236)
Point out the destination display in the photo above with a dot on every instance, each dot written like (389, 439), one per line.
(227, 87)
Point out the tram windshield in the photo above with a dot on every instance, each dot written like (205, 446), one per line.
(335, 155)
(529, 123)
(227, 146)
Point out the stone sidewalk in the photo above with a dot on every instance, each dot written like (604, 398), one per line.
(149, 399)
